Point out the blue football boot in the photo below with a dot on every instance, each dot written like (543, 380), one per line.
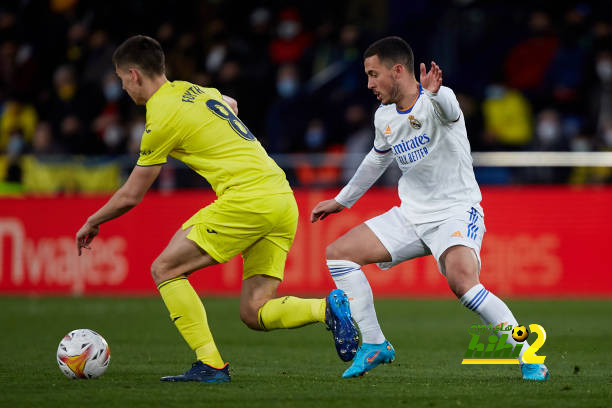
(369, 356)
(339, 321)
(535, 372)
(201, 372)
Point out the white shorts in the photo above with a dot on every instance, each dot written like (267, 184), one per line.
(405, 240)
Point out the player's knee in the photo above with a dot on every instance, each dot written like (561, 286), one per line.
(336, 251)
(250, 317)
(461, 268)
(159, 271)
(461, 278)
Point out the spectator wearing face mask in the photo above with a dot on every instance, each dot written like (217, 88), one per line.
(287, 82)
(291, 41)
(107, 124)
(326, 172)
(288, 114)
(549, 136)
(548, 131)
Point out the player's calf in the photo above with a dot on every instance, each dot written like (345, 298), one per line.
(249, 315)
(290, 312)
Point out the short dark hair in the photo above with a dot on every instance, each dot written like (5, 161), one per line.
(142, 51)
(392, 49)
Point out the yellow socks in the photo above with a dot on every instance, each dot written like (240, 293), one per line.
(188, 314)
(290, 312)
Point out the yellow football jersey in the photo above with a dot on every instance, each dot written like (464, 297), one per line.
(196, 126)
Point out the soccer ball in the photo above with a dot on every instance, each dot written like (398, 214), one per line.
(83, 353)
(520, 333)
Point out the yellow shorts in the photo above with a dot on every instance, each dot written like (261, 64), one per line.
(262, 229)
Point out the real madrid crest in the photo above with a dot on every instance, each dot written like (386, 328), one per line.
(414, 122)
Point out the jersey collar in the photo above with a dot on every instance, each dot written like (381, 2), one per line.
(159, 91)
(409, 109)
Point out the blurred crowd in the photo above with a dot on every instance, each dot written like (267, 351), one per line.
(528, 76)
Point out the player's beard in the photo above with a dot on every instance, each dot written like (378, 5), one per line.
(395, 95)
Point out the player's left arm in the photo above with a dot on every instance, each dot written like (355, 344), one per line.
(232, 103)
(124, 199)
(443, 99)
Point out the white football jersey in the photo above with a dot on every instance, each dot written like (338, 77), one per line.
(437, 179)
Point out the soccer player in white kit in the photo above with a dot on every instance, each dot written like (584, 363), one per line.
(421, 126)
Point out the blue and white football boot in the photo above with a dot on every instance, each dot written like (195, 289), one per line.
(339, 320)
(535, 372)
(369, 356)
(201, 372)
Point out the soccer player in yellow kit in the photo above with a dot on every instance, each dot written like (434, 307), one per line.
(255, 213)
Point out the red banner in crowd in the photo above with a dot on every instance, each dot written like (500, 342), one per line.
(540, 241)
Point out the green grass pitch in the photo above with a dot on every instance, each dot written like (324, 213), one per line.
(299, 368)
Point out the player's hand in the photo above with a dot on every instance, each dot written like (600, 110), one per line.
(431, 80)
(324, 208)
(85, 235)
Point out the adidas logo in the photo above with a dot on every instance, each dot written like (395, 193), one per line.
(388, 130)
(457, 234)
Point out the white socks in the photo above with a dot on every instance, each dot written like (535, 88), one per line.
(491, 309)
(349, 277)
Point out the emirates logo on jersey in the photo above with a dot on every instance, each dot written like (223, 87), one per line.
(414, 122)
(411, 150)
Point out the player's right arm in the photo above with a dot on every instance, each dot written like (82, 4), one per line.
(371, 168)
(124, 199)
(324, 208)
(157, 142)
